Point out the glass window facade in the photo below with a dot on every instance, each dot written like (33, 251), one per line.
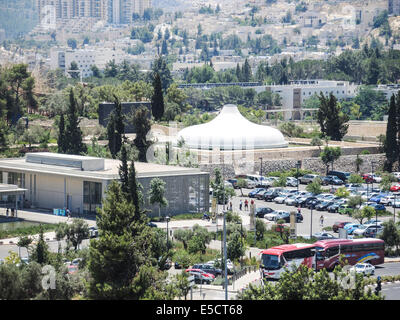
(91, 196)
(16, 178)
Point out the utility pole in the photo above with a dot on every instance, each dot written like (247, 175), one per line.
(225, 258)
(261, 166)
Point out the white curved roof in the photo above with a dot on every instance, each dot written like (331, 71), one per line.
(231, 131)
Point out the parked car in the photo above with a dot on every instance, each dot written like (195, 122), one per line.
(93, 232)
(307, 178)
(280, 214)
(323, 236)
(260, 194)
(271, 194)
(290, 199)
(322, 206)
(373, 222)
(281, 198)
(350, 227)
(313, 203)
(334, 208)
(339, 225)
(233, 182)
(344, 176)
(332, 180)
(395, 188)
(262, 211)
(377, 198)
(388, 200)
(209, 268)
(397, 175)
(373, 232)
(345, 209)
(291, 182)
(252, 193)
(364, 268)
(368, 178)
(200, 276)
(378, 207)
(360, 231)
(229, 265)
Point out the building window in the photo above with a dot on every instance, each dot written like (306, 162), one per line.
(16, 178)
(91, 196)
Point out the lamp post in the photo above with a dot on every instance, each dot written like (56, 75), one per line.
(241, 239)
(261, 166)
(372, 190)
(298, 164)
(311, 223)
(394, 209)
(167, 218)
(225, 258)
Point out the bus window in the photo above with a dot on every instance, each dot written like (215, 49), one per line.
(332, 252)
(271, 262)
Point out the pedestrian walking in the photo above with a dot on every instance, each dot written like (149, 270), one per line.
(299, 210)
(321, 221)
(68, 214)
(240, 205)
(7, 212)
(230, 206)
(246, 205)
(252, 202)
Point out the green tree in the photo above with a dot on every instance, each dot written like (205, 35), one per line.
(342, 192)
(25, 242)
(157, 101)
(304, 284)
(315, 186)
(391, 144)
(182, 284)
(74, 143)
(116, 129)
(123, 248)
(390, 235)
(355, 178)
(40, 252)
(332, 120)
(329, 155)
(156, 194)
(62, 136)
(75, 232)
(142, 124)
(246, 71)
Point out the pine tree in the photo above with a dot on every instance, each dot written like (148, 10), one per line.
(391, 143)
(74, 143)
(246, 71)
(142, 125)
(111, 135)
(124, 170)
(164, 48)
(332, 120)
(157, 101)
(135, 196)
(238, 73)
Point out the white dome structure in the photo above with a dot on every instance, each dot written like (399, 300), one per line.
(231, 131)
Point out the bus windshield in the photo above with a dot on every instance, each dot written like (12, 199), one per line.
(320, 254)
(270, 262)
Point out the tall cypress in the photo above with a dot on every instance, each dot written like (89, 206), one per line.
(123, 170)
(391, 144)
(111, 135)
(246, 71)
(157, 101)
(74, 143)
(134, 196)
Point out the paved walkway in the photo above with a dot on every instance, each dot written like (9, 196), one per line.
(42, 217)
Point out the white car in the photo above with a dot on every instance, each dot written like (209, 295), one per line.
(363, 228)
(364, 268)
(397, 175)
(281, 199)
(387, 201)
(229, 265)
(271, 216)
(373, 222)
(291, 182)
(250, 184)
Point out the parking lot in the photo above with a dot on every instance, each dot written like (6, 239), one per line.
(303, 228)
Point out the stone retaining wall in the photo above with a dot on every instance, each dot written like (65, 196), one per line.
(344, 163)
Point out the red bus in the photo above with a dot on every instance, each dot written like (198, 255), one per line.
(274, 260)
(354, 251)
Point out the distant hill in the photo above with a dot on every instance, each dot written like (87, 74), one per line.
(17, 16)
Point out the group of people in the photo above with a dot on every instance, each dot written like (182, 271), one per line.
(246, 204)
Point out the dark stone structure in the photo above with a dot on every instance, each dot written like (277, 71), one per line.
(128, 108)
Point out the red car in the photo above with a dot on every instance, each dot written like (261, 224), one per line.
(337, 225)
(395, 188)
(368, 178)
(200, 276)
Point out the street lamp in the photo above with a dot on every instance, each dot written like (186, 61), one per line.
(167, 218)
(311, 223)
(261, 166)
(225, 258)
(241, 239)
(372, 190)
(298, 164)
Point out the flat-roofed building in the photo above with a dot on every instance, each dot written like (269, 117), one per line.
(79, 183)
